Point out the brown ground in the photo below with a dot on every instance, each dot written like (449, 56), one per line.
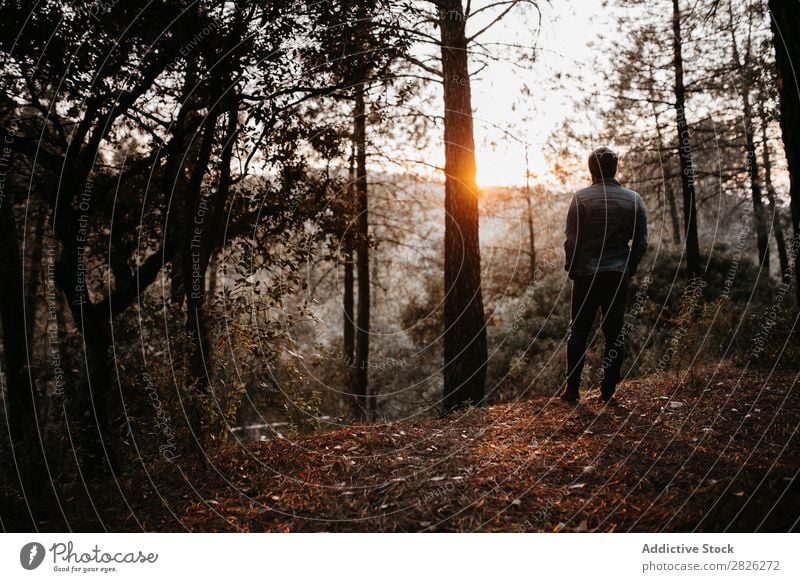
(720, 453)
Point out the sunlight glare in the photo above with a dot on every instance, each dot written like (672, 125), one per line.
(506, 167)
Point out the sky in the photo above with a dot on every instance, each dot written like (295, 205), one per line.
(567, 29)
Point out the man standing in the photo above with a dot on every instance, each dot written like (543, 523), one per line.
(602, 220)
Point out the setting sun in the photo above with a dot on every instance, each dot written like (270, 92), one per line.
(507, 167)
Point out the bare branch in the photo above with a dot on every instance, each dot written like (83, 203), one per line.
(509, 6)
(425, 67)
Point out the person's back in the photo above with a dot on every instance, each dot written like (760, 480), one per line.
(602, 221)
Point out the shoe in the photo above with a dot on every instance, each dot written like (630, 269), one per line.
(570, 395)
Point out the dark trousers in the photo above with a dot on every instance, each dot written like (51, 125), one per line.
(606, 291)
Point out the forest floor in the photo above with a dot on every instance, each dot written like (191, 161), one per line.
(718, 452)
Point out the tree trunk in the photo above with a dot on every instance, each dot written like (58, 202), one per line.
(762, 235)
(685, 151)
(33, 485)
(34, 274)
(531, 229)
(669, 193)
(194, 265)
(365, 400)
(465, 348)
(208, 214)
(348, 302)
(213, 275)
(531, 239)
(786, 34)
(101, 435)
(90, 401)
(177, 176)
(673, 212)
(21, 407)
(774, 216)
